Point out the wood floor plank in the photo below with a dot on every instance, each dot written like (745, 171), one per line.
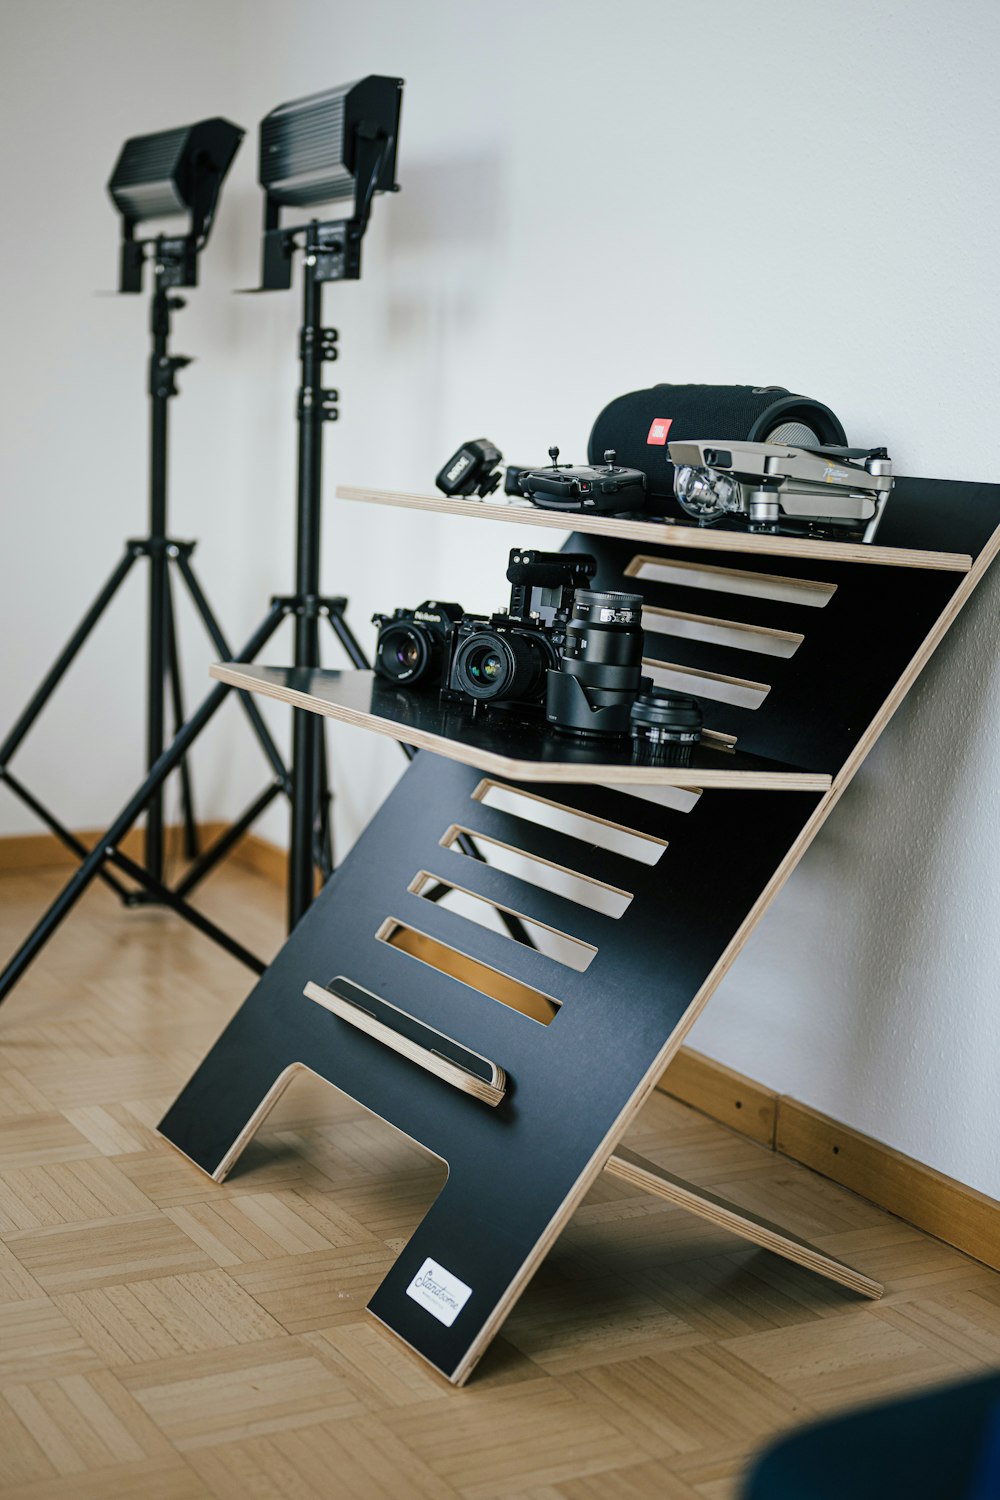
(67, 1193)
(363, 1460)
(84, 1422)
(140, 1321)
(30, 1140)
(226, 1395)
(70, 1257)
(160, 1478)
(37, 1338)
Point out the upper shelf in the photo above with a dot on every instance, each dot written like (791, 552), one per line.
(681, 533)
(499, 742)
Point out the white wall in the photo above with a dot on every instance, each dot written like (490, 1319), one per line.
(595, 197)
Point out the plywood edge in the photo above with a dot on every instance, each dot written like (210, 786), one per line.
(629, 1167)
(432, 1062)
(924, 1197)
(662, 534)
(721, 1093)
(547, 772)
(39, 851)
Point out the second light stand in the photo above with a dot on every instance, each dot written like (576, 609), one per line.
(310, 841)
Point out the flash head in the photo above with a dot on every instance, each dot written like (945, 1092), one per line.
(159, 176)
(327, 147)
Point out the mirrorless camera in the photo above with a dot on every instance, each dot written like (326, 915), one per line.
(503, 658)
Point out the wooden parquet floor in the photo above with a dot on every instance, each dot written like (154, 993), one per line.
(164, 1337)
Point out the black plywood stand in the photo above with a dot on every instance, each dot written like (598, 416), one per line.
(523, 1066)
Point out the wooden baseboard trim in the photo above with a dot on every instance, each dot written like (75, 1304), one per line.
(267, 859)
(949, 1210)
(959, 1215)
(40, 851)
(722, 1094)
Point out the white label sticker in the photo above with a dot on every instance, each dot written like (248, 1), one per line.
(439, 1291)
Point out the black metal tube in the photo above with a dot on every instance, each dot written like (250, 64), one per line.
(305, 737)
(221, 645)
(177, 701)
(324, 830)
(226, 841)
(157, 621)
(345, 635)
(170, 758)
(65, 659)
(60, 830)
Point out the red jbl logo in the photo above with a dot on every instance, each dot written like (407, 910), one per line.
(658, 432)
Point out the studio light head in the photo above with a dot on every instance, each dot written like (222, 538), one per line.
(161, 176)
(340, 144)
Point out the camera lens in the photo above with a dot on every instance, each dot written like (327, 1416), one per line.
(485, 666)
(706, 494)
(600, 667)
(503, 666)
(404, 652)
(665, 726)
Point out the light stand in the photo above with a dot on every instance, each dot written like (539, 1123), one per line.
(175, 171)
(338, 144)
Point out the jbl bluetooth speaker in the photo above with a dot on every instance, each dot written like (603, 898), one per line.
(639, 425)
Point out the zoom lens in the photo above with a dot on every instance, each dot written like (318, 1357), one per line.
(404, 652)
(503, 666)
(600, 667)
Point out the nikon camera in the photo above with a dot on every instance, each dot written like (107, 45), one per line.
(414, 645)
(500, 658)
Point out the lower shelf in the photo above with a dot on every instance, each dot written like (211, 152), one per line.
(502, 743)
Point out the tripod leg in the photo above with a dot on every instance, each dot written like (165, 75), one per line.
(345, 635)
(62, 832)
(227, 840)
(324, 827)
(170, 758)
(221, 645)
(177, 700)
(65, 659)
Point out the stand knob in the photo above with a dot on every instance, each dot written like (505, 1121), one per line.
(609, 457)
(554, 455)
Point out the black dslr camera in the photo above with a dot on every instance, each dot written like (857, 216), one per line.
(413, 646)
(503, 658)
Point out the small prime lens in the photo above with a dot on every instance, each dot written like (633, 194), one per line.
(665, 727)
(600, 666)
(404, 652)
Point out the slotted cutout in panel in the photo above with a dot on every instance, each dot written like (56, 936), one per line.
(716, 632)
(560, 881)
(678, 798)
(474, 908)
(735, 690)
(732, 581)
(471, 971)
(616, 838)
